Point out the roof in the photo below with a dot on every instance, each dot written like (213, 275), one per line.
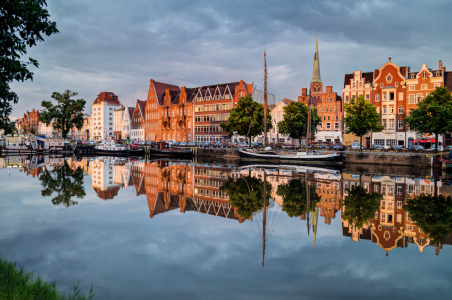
(368, 76)
(108, 97)
(160, 89)
(287, 101)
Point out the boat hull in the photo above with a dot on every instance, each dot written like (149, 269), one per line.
(170, 153)
(112, 152)
(334, 158)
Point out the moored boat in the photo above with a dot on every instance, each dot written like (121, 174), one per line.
(310, 157)
(110, 147)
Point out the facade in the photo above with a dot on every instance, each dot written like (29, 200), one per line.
(45, 130)
(329, 105)
(102, 115)
(277, 114)
(138, 121)
(122, 122)
(394, 90)
(31, 120)
(357, 84)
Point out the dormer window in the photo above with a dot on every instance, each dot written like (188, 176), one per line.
(424, 74)
(412, 76)
(438, 73)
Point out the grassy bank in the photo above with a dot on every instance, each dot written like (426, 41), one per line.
(16, 283)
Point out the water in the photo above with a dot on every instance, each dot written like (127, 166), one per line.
(142, 230)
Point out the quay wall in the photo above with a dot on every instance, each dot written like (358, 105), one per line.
(218, 153)
(418, 160)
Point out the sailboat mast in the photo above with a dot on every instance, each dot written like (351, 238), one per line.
(264, 219)
(309, 123)
(265, 99)
(308, 204)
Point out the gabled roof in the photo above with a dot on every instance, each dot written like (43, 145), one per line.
(160, 89)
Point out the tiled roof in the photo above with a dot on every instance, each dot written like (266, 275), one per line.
(107, 97)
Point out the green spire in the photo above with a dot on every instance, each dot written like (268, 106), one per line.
(316, 70)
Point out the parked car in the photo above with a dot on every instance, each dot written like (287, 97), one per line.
(417, 148)
(91, 142)
(142, 143)
(338, 147)
(192, 144)
(175, 144)
(150, 143)
(378, 147)
(218, 144)
(201, 144)
(78, 142)
(397, 147)
(133, 147)
(432, 148)
(170, 142)
(136, 142)
(183, 144)
(355, 146)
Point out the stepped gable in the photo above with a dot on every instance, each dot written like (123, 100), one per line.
(131, 110)
(142, 106)
(108, 97)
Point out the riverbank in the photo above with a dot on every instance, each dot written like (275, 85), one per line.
(16, 283)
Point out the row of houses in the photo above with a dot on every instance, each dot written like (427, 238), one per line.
(171, 112)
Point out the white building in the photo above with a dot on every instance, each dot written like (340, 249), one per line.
(102, 115)
(138, 121)
(123, 122)
(277, 114)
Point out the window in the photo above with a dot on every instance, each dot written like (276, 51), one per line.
(401, 96)
(391, 109)
(319, 126)
(367, 97)
(400, 109)
(381, 85)
(423, 87)
(111, 109)
(437, 85)
(336, 126)
(391, 124)
(385, 96)
(384, 123)
(411, 99)
(353, 84)
(376, 188)
(396, 84)
(385, 109)
(346, 99)
(328, 126)
(377, 97)
(419, 98)
(391, 142)
(400, 124)
(424, 74)
(411, 87)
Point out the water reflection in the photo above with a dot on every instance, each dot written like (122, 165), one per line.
(390, 211)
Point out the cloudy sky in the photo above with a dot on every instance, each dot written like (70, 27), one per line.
(118, 46)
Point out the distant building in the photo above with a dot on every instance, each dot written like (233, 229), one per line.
(137, 131)
(102, 115)
(277, 114)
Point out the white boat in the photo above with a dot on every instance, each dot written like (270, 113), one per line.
(110, 147)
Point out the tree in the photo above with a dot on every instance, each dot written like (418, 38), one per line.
(432, 214)
(361, 117)
(32, 130)
(25, 130)
(65, 182)
(360, 206)
(246, 194)
(10, 128)
(433, 114)
(295, 198)
(295, 120)
(247, 118)
(66, 114)
(23, 22)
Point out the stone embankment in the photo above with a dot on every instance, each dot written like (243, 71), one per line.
(410, 159)
(218, 153)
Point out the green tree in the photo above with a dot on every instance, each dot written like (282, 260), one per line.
(246, 194)
(32, 130)
(25, 129)
(23, 24)
(65, 182)
(433, 214)
(433, 114)
(247, 119)
(66, 114)
(361, 117)
(10, 128)
(360, 206)
(295, 120)
(295, 201)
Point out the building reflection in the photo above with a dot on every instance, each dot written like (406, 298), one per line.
(183, 186)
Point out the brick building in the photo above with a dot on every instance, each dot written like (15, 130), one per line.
(329, 105)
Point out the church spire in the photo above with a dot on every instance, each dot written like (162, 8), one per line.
(316, 69)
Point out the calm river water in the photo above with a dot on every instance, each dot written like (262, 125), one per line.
(139, 229)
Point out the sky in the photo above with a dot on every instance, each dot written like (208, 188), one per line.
(118, 46)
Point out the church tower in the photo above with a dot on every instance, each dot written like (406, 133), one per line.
(316, 88)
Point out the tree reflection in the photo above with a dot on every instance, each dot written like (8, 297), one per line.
(294, 197)
(360, 206)
(433, 214)
(246, 194)
(65, 182)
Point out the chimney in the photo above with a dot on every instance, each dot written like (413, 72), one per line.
(409, 69)
(329, 89)
(304, 91)
(440, 64)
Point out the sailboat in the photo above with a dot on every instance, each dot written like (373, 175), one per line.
(302, 157)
